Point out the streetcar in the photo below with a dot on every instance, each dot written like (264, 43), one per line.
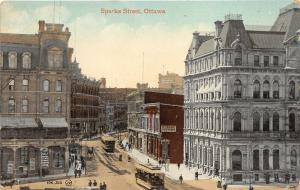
(109, 143)
(150, 177)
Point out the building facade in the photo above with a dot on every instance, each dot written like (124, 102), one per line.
(171, 81)
(157, 128)
(241, 101)
(85, 104)
(34, 102)
(114, 108)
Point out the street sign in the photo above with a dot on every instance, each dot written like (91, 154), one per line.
(44, 158)
(168, 128)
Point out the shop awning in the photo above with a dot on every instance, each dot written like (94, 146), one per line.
(17, 122)
(53, 122)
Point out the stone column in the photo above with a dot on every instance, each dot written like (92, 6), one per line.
(228, 158)
(67, 159)
(270, 159)
(261, 159)
(271, 122)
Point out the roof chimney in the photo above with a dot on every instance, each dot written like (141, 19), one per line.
(41, 26)
(218, 27)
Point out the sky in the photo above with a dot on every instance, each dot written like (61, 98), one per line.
(112, 46)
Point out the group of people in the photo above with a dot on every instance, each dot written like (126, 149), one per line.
(94, 184)
(79, 165)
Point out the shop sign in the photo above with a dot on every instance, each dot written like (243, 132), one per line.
(32, 164)
(168, 128)
(44, 158)
(10, 167)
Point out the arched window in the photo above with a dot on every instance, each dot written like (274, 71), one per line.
(266, 165)
(46, 85)
(201, 120)
(219, 120)
(292, 90)
(255, 159)
(25, 105)
(256, 121)
(266, 89)
(293, 158)
(26, 60)
(212, 121)
(237, 123)
(266, 122)
(55, 58)
(12, 60)
(256, 89)
(236, 160)
(11, 105)
(275, 121)
(276, 159)
(291, 122)
(58, 105)
(238, 56)
(275, 90)
(237, 89)
(206, 120)
(58, 86)
(46, 105)
(205, 156)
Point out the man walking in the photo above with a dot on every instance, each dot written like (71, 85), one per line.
(180, 178)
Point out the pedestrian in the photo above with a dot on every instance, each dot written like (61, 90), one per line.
(251, 187)
(225, 186)
(78, 169)
(104, 186)
(159, 161)
(196, 175)
(148, 161)
(101, 186)
(95, 183)
(75, 172)
(178, 166)
(180, 178)
(90, 183)
(82, 165)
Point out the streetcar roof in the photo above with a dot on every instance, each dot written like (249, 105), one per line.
(149, 168)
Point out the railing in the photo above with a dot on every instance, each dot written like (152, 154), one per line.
(279, 134)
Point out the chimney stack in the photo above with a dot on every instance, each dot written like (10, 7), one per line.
(218, 27)
(41, 26)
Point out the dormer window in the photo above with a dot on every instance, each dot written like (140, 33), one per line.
(26, 60)
(12, 60)
(238, 56)
(55, 58)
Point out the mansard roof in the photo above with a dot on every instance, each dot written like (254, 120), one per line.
(266, 39)
(288, 21)
(206, 47)
(31, 39)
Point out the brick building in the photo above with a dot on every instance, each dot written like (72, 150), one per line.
(34, 102)
(85, 103)
(157, 130)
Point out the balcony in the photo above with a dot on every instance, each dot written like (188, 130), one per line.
(263, 135)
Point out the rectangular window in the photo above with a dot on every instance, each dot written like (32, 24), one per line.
(266, 61)
(256, 60)
(46, 106)
(24, 155)
(11, 85)
(275, 61)
(25, 85)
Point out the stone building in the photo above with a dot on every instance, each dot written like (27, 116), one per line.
(34, 102)
(242, 119)
(85, 103)
(172, 81)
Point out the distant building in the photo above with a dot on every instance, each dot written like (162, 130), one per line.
(85, 103)
(242, 101)
(113, 114)
(171, 81)
(157, 128)
(35, 102)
